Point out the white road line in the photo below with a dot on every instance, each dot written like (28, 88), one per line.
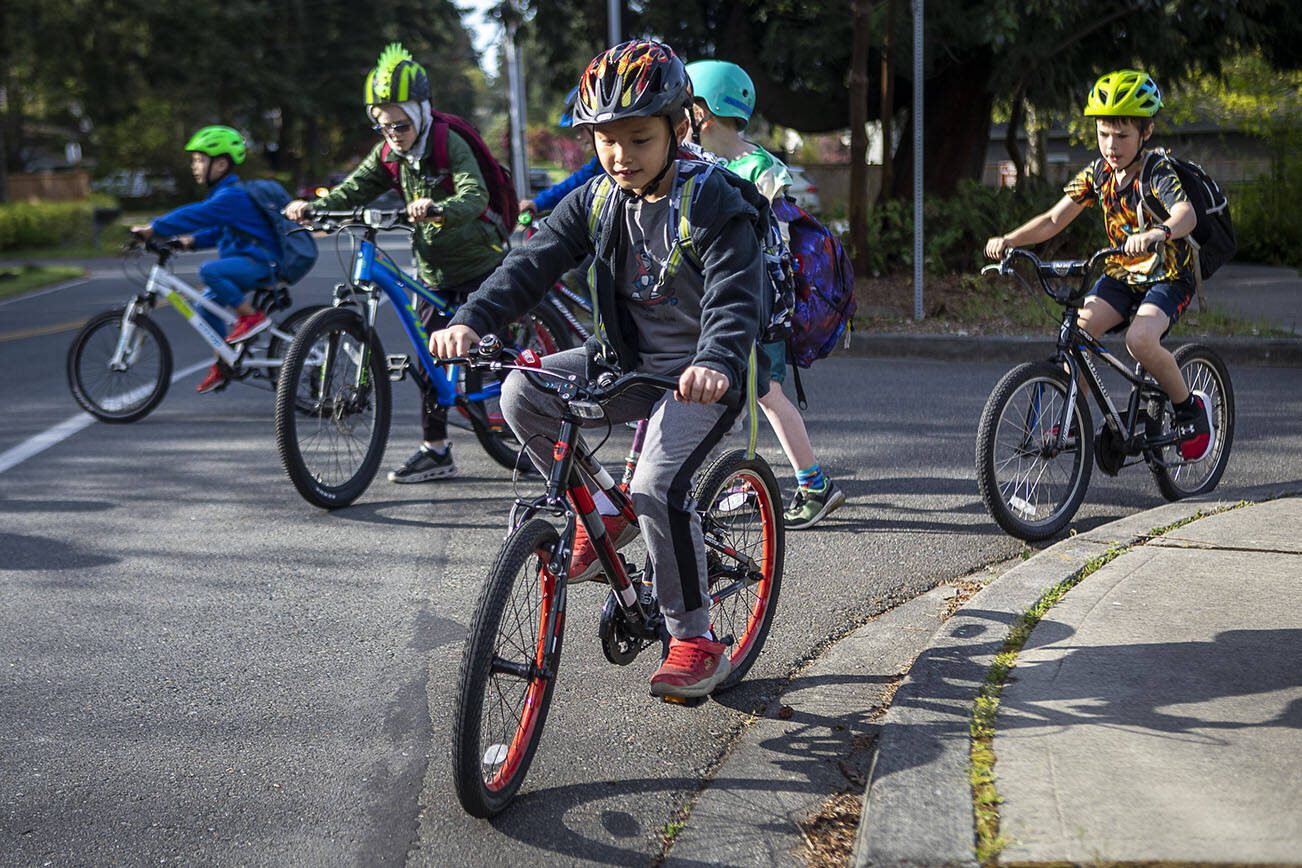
(68, 284)
(38, 443)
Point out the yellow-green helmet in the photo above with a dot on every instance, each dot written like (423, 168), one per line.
(1126, 93)
(218, 141)
(397, 77)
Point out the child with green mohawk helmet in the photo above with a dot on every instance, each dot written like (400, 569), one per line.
(724, 100)
(454, 249)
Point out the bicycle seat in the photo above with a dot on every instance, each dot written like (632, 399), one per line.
(272, 297)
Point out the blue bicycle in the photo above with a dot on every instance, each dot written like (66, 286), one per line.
(333, 397)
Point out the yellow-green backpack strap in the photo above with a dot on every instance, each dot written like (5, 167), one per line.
(752, 402)
(600, 196)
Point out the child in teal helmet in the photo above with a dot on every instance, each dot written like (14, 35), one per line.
(724, 102)
(229, 220)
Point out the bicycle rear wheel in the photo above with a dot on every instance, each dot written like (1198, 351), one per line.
(1204, 371)
(741, 519)
(543, 331)
(131, 391)
(276, 348)
(1030, 488)
(333, 405)
(508, 671)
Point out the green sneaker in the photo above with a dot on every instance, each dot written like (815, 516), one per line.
(809, 507)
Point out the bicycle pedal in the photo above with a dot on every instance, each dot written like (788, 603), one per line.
(685, 701)
(398, 364)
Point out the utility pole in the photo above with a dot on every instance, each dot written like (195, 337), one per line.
(614, 26)
(917, 157)
(511, 19)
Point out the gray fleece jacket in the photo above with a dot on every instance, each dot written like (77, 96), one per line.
(725, 233)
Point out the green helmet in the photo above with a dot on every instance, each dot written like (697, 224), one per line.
(1126, 93)
(218, 141)
(725, 87)
(397, 77)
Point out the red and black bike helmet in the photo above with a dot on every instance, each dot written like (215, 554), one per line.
(633, 79)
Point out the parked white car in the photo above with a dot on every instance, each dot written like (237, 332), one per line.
(803, 190)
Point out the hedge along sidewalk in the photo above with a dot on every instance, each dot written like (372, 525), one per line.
(918, 806)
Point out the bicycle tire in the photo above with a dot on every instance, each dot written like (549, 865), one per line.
(1204, 371)
(740, 504)
(318, 407)
(137, 393)
(1020, 489)
(542, 330)
(276, 348)
(491, 757)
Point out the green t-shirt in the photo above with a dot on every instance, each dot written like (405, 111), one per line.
(765, 171)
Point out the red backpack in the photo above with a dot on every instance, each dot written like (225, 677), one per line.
(502, 201)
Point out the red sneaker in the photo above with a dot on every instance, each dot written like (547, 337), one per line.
(247, 326)
(693, 668)
(216, 379)
(1195, 429)
(584, 564)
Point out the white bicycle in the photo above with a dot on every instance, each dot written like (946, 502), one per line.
(120, 362)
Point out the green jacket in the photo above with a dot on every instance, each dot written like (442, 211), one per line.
(463, 247)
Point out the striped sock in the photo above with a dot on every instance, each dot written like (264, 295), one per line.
(812, 477)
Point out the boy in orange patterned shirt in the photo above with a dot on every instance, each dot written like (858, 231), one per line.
(1151, 285)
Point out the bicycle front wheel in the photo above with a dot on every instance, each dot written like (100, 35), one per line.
(1031, 487)
(508, 671)
(543, 331)
(741, 519)
(1204, 371)
(130, 389)
(333, 404)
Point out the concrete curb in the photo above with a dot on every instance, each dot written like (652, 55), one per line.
(784, 767)
(918, 802)
(1248, 352)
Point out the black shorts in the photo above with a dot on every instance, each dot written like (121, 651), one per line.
(1171, 296)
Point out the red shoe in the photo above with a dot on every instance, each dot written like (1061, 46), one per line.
(247, 326)
(1195, 429)
(693, 668)
(584, 564)
(216, 379)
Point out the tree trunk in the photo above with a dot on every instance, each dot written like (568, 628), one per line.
(1015, 130)
(888, 99)
(859, 138)
(1037, 161)
(956, 133)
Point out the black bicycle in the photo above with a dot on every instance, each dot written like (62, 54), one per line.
(513, 652)
(1036, 444)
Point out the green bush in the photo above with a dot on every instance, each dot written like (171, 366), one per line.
(1266, 222)
(26, 225)
(957, 228)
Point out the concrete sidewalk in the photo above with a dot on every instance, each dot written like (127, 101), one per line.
(1152, 716)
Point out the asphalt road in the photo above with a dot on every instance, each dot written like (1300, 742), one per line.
(195, 665)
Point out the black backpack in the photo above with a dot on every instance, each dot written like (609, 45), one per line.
(1213, 235)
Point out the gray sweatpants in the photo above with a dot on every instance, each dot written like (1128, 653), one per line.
(678, 438)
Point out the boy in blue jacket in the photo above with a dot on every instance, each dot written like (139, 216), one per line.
(698, 325)
(229, 220)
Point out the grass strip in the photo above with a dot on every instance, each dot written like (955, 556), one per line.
(990, 842)
(16, 280)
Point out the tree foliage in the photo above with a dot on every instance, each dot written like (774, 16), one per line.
(130, 79)
(1046, 52)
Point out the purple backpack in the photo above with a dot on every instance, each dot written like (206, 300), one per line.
(824, 284)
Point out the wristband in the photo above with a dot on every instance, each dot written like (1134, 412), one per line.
(1166, 229)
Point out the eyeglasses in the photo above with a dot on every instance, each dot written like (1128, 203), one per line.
(396, 129)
